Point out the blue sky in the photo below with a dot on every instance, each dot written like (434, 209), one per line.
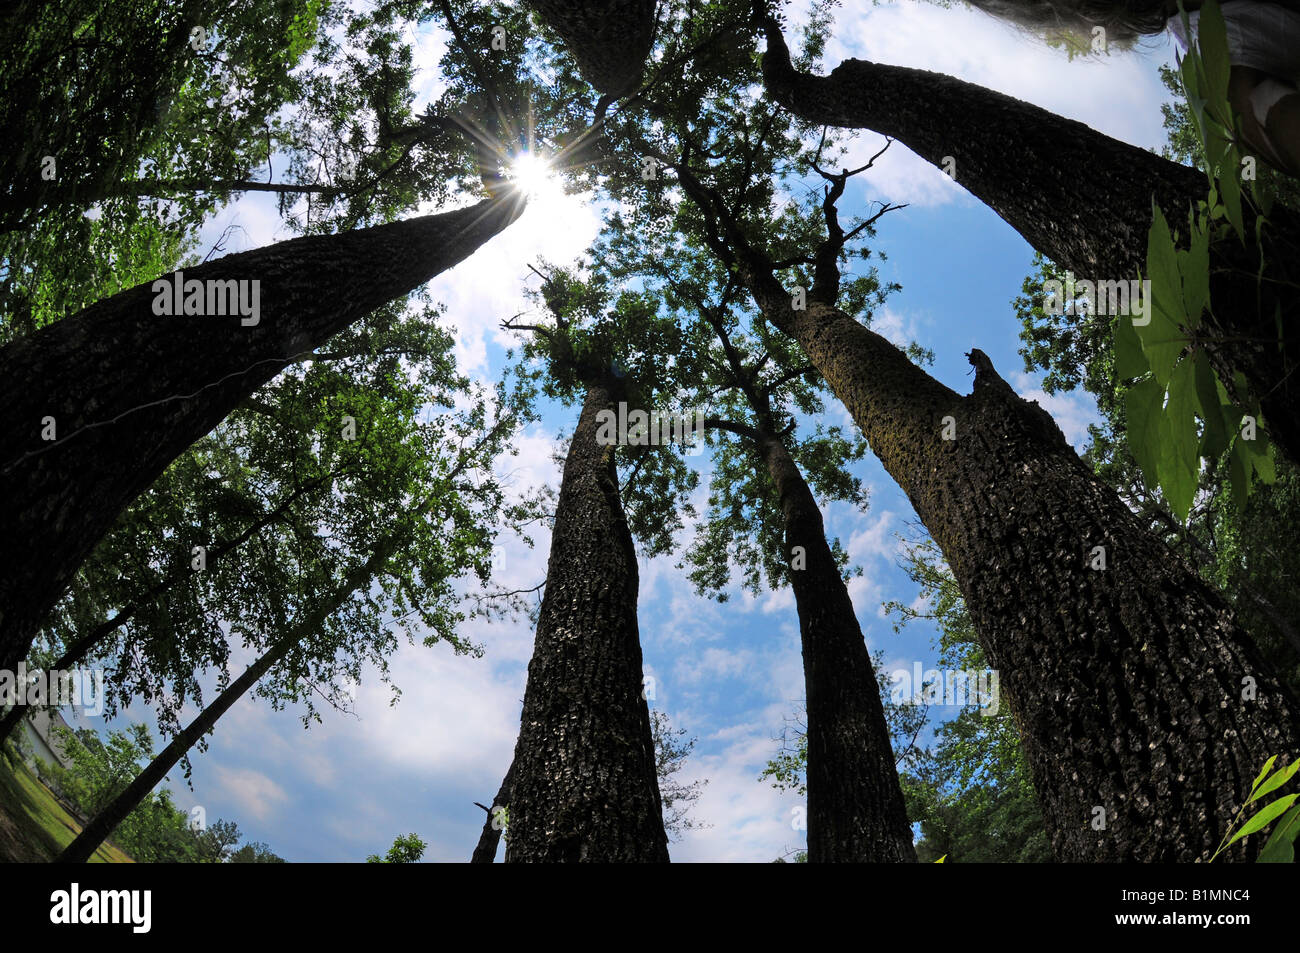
(728, 674)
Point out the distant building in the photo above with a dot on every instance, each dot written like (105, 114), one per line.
(38, 729)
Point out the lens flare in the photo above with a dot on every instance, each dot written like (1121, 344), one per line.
(532, 173)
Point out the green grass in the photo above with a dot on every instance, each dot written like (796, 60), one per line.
(34, 826)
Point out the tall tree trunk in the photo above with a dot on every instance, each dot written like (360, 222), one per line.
(128, 390)
(1142, 706)
(609, 39)
(1080, 197)
(584, 785)
(485, 852)
(855, 805)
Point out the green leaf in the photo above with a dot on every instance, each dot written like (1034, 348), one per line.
(1279, 778)
(1263, 461)
(1230, 186)
(1179, 466)
(1263, 818)
(1212, 44)
(1197, 108)
(1215, 435)
(1130, 362)
(1262, 775)
(1144, 403)
(1239, 468)
(1194, 264)
(1216, 153)
(1162, 337)
(1192, 84)
(1280, 848)
(1222, 157)
(1231, 412)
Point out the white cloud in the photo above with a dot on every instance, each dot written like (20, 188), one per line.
(751, 820)
(873, 536)
(900, 329)
(458, 716)
(255, 793)
(775, 601)
(714, 665)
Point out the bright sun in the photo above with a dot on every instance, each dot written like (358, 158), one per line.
(533, 174)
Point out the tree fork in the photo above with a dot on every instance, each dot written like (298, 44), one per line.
(856, 812)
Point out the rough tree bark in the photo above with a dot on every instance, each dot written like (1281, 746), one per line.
(610, 40)
(1140, 702)
(128, 390)
(584, 785)
(855, 805)
(1080, 197)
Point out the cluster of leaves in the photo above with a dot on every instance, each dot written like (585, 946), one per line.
(737, 369)
(672, 748)
(971, 792)
(1175, 384)
(905, 721)
(255, 852)
(406, 849)
(1280, 848)
(1228, 535)
(591, 332)
(292, 496)
(355, 133)
(142, 119)
(732, 363)
(1184, 144)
